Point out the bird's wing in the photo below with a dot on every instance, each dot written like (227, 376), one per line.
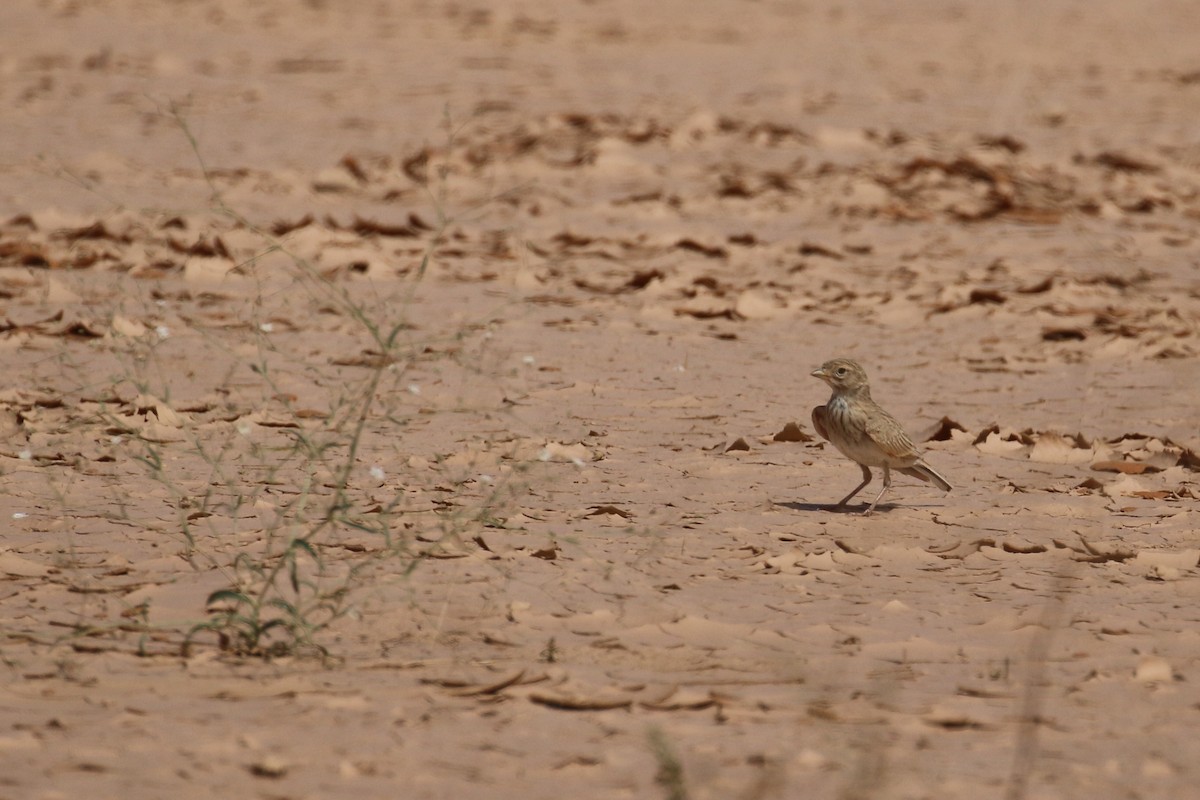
(886, 432)
(820, 417)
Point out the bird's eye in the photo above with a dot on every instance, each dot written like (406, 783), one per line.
(840, 372)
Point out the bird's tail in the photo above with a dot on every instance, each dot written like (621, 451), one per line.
(926, 473)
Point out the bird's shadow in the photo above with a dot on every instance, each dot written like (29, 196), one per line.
(833, 508)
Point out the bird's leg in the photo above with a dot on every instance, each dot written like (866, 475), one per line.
(859, 488)
(887, 483)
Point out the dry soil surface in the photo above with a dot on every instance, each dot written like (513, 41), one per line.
(412, 399)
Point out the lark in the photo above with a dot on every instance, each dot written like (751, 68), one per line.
(864, 432)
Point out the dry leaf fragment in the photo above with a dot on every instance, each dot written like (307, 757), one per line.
(567, 239)
(269, 767)
(442, 553)
(284, 227)
(146, 403)
(1052, 448)
(791, 432)
(986, 433)
(74, 328)
(96, 230)
(1064, 334)
(1093, 554)
(1123, 162)
(368, 358)
(1001, 142)
(1022, 549)
(994, 443)
(608, 509)
(940, 431)
(1044, 285)
(813, 249)
(1125, 485)
(955, 722)
(25, 254)
(201, 247)
(493, 687)
(986, 297)
(985, 694)
(1127, 467)
(675, 699)
(579, 702)
(715, 251)
(546, 553)
(371, 227)
(272, 420)
(961, 549)
(709, 312)
(352, 165)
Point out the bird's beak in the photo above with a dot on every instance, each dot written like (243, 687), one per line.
(819, 373)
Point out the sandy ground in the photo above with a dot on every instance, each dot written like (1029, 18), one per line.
(465, 337)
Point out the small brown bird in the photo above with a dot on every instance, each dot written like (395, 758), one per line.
(864, 432)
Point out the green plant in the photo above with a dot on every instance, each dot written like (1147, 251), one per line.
(285, 590)
(670, 769)
(261, 620)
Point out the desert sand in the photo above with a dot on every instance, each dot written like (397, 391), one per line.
(413, 399)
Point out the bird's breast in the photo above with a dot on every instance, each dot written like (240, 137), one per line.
(847, 423)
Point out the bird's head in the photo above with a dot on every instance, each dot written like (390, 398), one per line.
(842, 374)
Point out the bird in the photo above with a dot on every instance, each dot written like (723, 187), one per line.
(864, 432)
